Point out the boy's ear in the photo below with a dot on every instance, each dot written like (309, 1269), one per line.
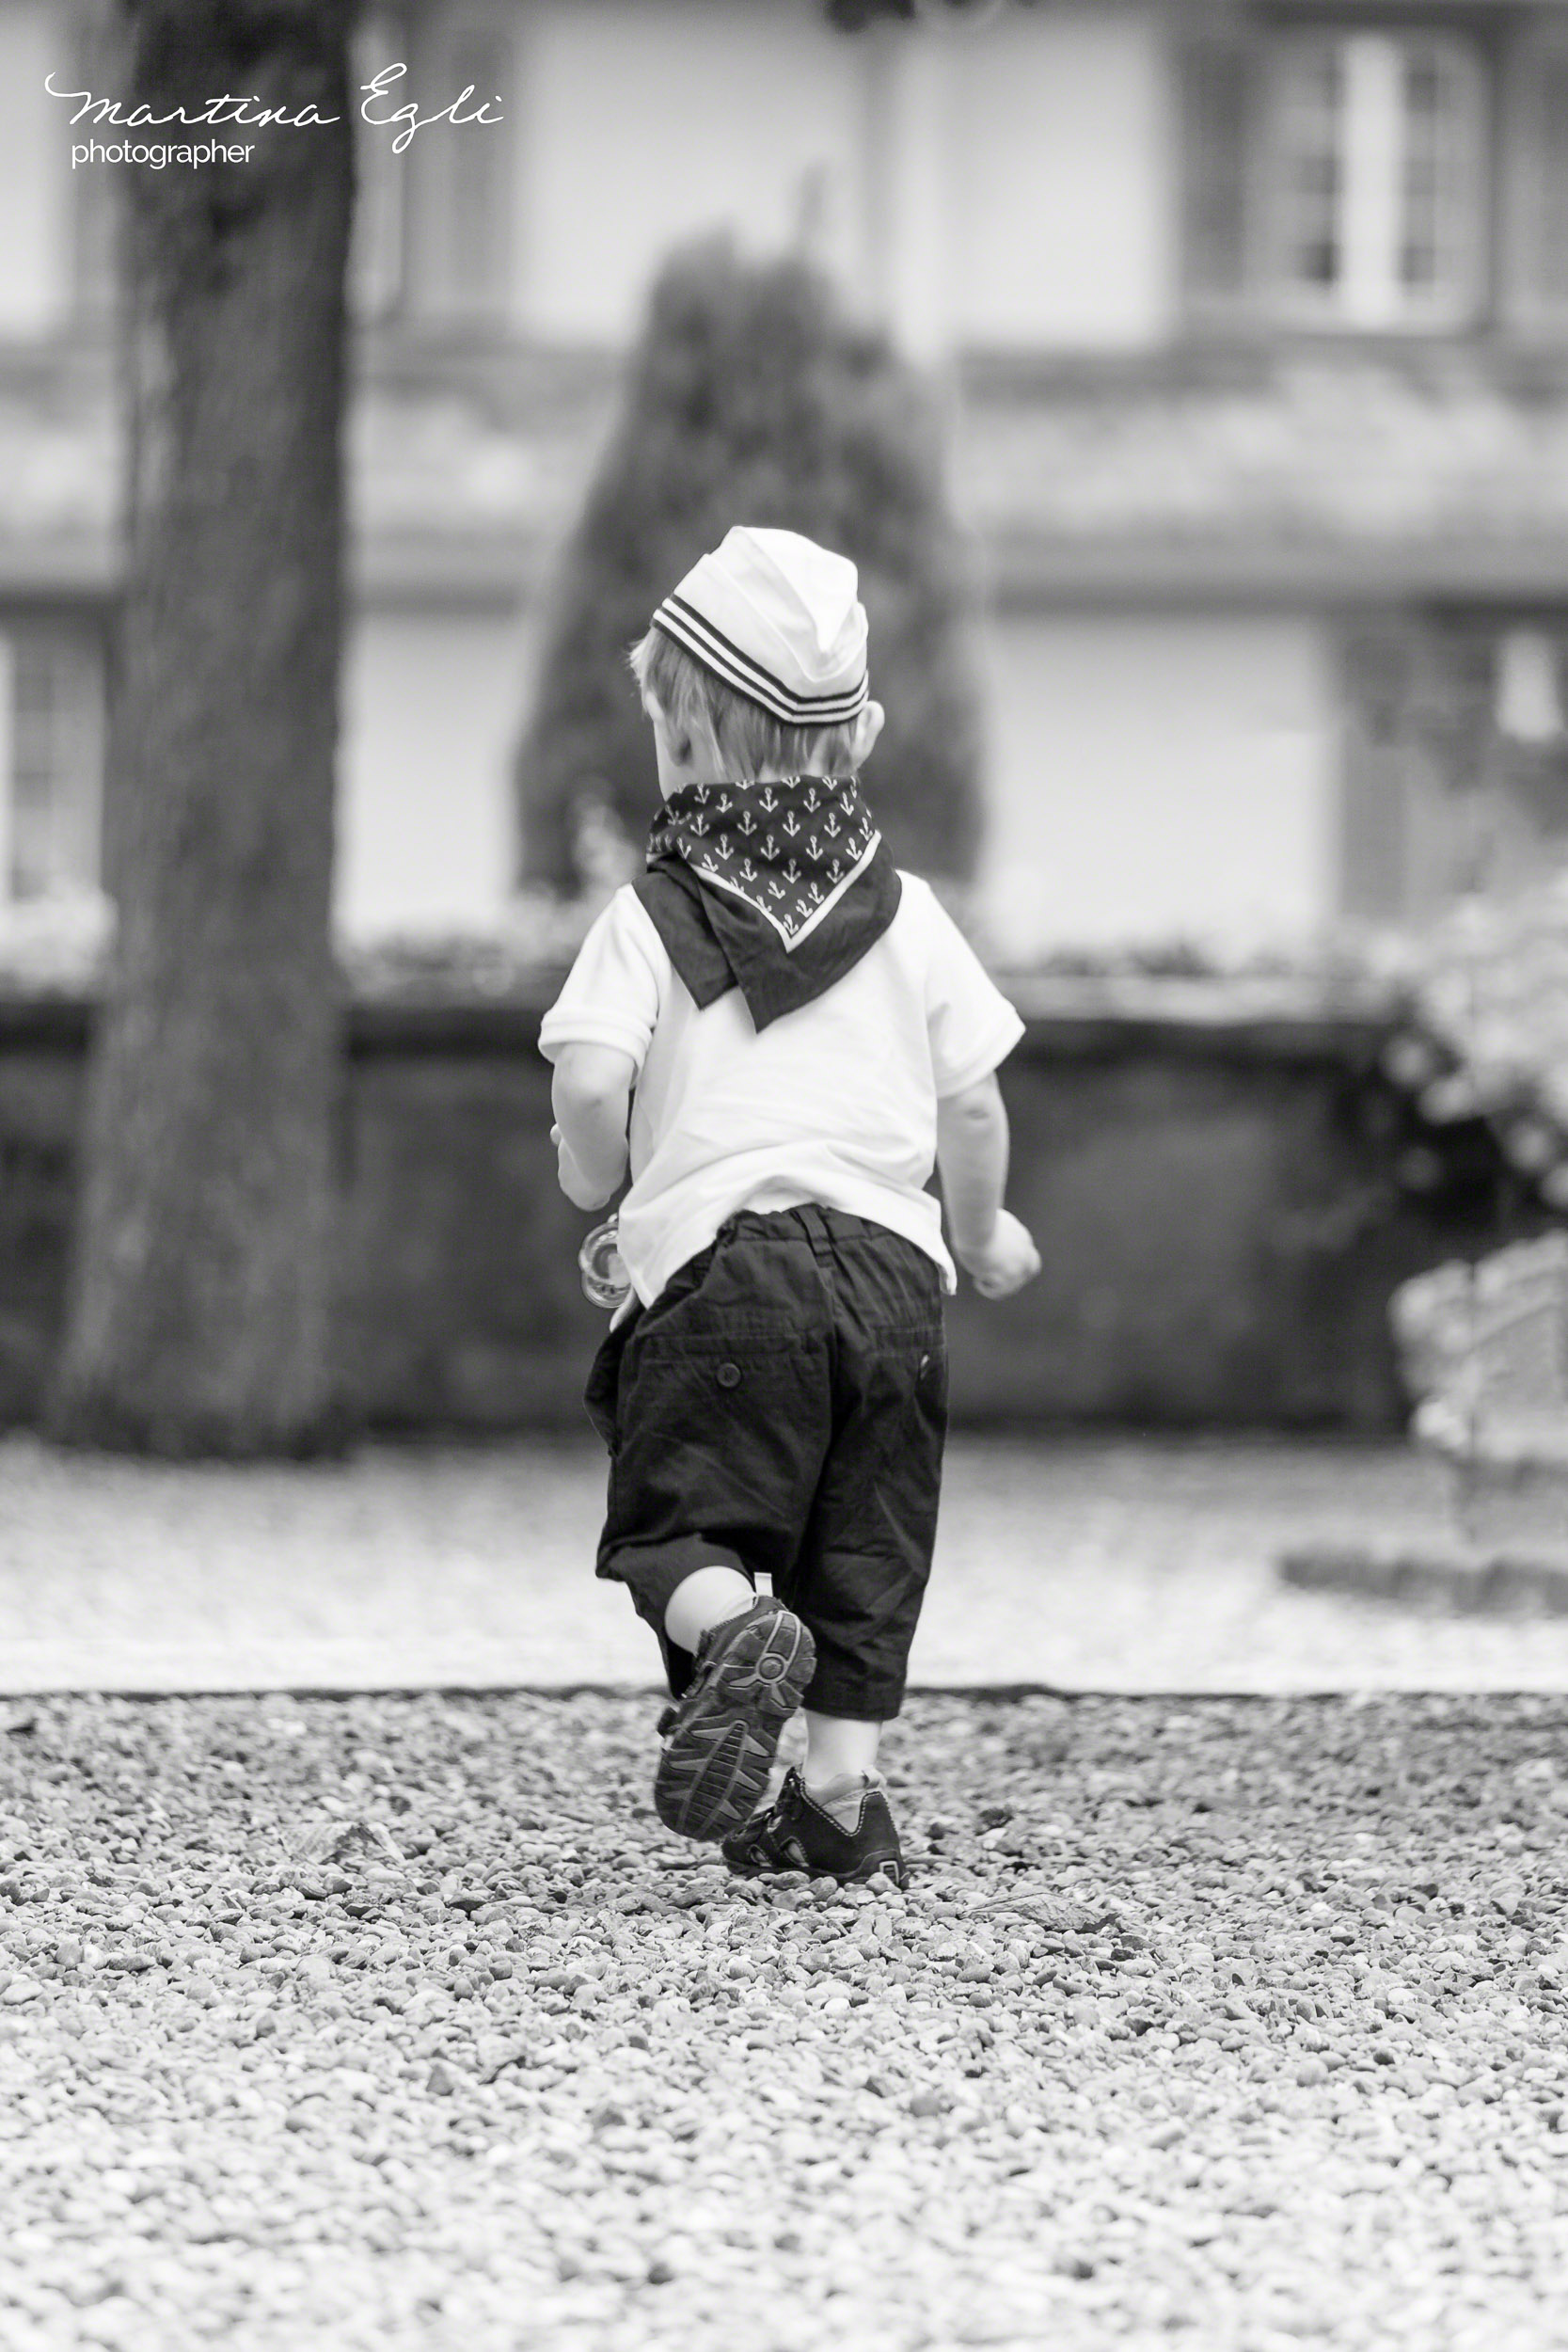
(676, 741)
(867, 727)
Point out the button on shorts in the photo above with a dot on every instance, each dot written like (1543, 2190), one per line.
(782, 1408)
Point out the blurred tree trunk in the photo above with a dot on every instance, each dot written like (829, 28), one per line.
(201, 1319)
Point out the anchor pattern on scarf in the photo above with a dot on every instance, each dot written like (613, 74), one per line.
(789, 849)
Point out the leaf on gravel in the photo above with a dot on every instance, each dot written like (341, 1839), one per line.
(1054, 1916)
(346, 1841)
(495, 2059)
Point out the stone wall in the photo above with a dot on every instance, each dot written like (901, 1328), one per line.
(1219, 1190)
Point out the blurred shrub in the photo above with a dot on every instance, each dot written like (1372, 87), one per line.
(1487, 1033)
(750, 399)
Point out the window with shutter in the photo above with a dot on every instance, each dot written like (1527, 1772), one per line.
(460, 179)
(1535, 178)
(94, 196)
(1337, 171)
(1554, 173)
(1455, 775)
(50, 760)
(376, 261)
(1218, 105)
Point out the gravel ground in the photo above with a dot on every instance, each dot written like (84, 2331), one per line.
(1105, 1565)
(394, 2022)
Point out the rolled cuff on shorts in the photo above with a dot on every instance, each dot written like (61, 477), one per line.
(653, 1573)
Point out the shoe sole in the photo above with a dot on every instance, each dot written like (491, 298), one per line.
(715, 1766)
(896, 1873)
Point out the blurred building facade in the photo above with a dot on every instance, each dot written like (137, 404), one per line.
(1253, 320)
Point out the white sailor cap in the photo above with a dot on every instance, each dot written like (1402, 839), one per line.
(778, 618)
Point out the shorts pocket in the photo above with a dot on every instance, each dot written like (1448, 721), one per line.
(746, 1355)
(601, 1392)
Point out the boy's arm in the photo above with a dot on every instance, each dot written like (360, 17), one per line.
(993, 1249)
(591, 1096)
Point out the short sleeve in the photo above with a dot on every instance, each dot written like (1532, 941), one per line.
(614, 989)
(972, 1027)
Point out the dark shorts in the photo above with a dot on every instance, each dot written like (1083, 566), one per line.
(781, 1408)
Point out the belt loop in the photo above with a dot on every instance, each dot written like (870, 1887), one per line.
(818, 1229)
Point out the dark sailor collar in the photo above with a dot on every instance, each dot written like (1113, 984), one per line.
(777, 888)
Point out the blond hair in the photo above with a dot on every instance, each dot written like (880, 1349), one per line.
(750, 741)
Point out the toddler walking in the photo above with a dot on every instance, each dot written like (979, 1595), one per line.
(798, 1033)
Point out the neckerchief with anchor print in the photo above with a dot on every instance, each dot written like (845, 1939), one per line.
(777, 889)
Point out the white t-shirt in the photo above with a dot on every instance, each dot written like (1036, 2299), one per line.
(834, 1104)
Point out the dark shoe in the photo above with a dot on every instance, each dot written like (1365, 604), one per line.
(751, 1671)
(798, 1834)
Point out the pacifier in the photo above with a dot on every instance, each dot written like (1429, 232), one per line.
(605, 1280)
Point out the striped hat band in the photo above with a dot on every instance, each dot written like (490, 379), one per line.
(681, 620)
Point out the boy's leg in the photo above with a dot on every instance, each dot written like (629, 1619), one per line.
(722, 1415)
(841, 1754)
(865, 1559)
(863, 1564)
(703, 1599)
(721, 1736)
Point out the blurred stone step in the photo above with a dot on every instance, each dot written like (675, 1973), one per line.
(1455, 1580)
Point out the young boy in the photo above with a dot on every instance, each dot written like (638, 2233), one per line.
(805, 1031)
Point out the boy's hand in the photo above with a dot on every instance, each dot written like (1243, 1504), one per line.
(574, 1184)
(1008, 1259)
